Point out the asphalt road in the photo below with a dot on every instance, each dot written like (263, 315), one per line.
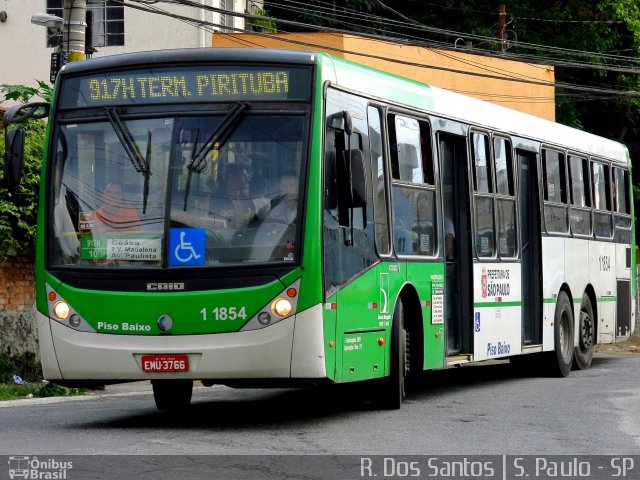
(488, 410)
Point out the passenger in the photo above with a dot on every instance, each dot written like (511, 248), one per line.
(115, 215)
(258, 193)
(275, 238)
(232, 202)
(286, 210)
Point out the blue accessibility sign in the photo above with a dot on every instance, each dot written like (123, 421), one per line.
(186, 246)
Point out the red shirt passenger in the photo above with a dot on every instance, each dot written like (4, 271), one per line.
(114, 215)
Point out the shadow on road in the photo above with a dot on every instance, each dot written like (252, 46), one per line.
(235, 409)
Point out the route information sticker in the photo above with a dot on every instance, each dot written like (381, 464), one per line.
(139, 248)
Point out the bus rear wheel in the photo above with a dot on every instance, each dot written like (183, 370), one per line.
(392, 391)
(172, 395)
(583, 354)
(560, 360)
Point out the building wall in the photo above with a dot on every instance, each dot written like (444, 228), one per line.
(26, 58)
(17, 312)
(439, 68)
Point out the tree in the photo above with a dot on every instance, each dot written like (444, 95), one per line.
(18, 210)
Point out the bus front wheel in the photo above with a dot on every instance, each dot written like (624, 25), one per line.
(172, 395)
(393, 387)
(561, 359)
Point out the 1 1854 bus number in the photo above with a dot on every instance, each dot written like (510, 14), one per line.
(224, 313)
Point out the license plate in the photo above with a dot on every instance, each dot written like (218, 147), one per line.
(165, 363)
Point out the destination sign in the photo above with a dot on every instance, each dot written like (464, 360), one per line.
(191, 84)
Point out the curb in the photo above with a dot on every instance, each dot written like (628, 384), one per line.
(27, 402)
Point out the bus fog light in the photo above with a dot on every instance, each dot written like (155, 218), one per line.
(61, 310)
(281, 307)
(74, 320)
(264, 318)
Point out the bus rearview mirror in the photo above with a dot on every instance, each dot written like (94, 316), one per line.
(358, 179)
(13, 158)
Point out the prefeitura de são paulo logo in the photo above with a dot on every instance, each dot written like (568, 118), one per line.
(41, 469)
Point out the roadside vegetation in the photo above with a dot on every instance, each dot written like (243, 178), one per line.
(27, 367)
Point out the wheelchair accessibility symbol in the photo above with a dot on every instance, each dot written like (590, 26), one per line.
(186, 246)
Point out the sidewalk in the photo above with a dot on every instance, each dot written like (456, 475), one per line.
(117, 390)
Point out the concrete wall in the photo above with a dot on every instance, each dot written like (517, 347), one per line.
(435, 67)
(17, 311)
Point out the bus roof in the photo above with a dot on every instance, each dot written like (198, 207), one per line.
(472, 111)
(384, 86)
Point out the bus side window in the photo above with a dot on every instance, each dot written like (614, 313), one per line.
(622, 207)
(483, 196)
(505, 199)
(413, 193)
(555, 191)
(600, 184)
(381, 220)
(580, 196)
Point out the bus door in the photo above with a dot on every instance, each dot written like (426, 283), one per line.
(357, 286)
(457, 252)
(530, 247)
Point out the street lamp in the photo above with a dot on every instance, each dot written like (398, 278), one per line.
(47, 20)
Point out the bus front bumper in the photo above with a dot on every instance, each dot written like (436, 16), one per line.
(291, 348)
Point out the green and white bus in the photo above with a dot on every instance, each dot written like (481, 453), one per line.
(255, 217)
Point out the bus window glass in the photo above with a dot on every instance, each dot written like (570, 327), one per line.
(414, 217)
(482, 166)
(484, 239)
(427, 153)
(600, 178)
(507, 240)
(578, 177)
(216, 205)
(409, 150)
(504, 166)
(554, 177)
(580, 215)
(555, 193)
(602, 222)
(621, 191)
(377, 170)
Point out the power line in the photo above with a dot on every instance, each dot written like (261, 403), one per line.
(201, 23)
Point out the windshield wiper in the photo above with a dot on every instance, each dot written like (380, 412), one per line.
(140, 164)
(215, 141)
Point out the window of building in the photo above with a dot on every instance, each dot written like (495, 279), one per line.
(105, 19)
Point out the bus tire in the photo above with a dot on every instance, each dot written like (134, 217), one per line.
(583, 352)
(172, 395)
(393, 387)
(561, 359)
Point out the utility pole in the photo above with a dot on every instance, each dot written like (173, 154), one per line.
(502, 17)
(74, 29)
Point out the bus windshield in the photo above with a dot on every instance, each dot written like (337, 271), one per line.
(178, 191)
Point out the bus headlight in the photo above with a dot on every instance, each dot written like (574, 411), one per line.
(281, 307)
(61, 310)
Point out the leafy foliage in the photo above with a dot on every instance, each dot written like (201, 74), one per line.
(18, 210)
(22, 93)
